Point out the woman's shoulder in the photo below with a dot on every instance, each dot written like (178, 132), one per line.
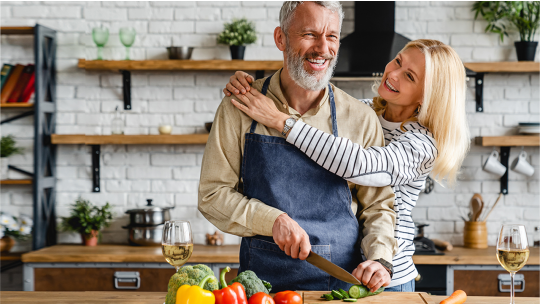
(414, 132)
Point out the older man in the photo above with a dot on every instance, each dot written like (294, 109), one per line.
(256, 185)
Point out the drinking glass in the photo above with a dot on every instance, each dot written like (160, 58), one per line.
(512, 251)
(177, 242)
(127, 37)
(100, 37)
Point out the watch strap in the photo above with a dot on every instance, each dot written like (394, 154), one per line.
(286, 127)
(386, 265)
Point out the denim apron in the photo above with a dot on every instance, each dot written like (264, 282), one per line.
(281, 176)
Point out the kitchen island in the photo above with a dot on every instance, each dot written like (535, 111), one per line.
(113, 297)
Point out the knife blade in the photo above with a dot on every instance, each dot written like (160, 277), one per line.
(331, 268)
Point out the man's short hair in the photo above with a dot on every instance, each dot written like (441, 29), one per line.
(287, 12)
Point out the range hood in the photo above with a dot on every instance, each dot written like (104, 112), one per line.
(366, 51)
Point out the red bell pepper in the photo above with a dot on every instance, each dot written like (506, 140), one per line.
(234, 294)
(287, 297)
(261, 298)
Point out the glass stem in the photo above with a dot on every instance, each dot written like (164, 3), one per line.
(127, 53)
(100, 53)
(512, 290)
(177, 268)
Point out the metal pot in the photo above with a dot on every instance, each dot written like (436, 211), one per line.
(145, 236)
(150, 215)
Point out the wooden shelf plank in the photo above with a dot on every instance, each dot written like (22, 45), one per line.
(17, 105)
(17, 30)
(179, 65)
(508, 141)
(16, 181)
(504, 66)
(129, 139)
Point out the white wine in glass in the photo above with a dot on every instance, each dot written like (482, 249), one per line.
(177, 243)
(512, 251)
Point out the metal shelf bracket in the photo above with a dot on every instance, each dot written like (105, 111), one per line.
(19, 116)
(479, 94)
(505, 155)
(126, 88)
(96, 153)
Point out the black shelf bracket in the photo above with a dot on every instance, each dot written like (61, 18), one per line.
(259, 74)
(19, 116)
(126, 88)
(505, 155)
(20, 170)
(96, 152)
(479, 94)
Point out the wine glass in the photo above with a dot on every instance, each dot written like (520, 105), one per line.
(100, 37)
(177, 242)
(512, 251)
(127, 37)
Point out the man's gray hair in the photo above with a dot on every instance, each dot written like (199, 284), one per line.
(287, 12)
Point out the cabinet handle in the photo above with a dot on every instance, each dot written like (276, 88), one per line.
(504, 279)
(127, 277)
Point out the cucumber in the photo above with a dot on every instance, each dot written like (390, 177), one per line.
(344, 293)
(350, 300)
(328, 296)
(361, 291)
(337, 295)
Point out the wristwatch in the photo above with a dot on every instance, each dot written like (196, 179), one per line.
(289, 123)
(388, 266)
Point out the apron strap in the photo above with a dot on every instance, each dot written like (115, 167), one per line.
(263, 91)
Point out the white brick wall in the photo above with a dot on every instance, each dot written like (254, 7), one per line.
(169, 173)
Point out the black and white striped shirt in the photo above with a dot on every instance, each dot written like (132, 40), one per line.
(404, 163)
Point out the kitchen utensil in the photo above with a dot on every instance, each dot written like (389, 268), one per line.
(498, 198)
(419, 229)
(463, 216)
(475, 235)
(127, 38)
(476, 208)
(442, 245)
(179, 52)
(145, 235)
(150, 215)
(493, 166)
(520, 164)
(314, 297)
(331, 268)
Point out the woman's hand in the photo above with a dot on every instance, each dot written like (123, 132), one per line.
(238, 83)
(261, 108)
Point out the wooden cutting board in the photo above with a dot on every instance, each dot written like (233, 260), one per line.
(314, 297)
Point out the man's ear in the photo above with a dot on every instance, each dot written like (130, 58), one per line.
(279, 38)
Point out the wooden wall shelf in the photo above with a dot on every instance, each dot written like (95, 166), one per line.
(180, 65)
(16, 181)
(17, 105)
(129, 139)
(504, 66)
(508, 141)
(17, 30)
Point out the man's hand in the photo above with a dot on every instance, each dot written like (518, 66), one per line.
(372, 274)
(290, 237)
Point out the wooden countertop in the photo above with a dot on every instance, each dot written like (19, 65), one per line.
(229, 254)
(126, 297)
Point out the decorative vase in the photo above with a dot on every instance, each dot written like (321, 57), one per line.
(526, 50)
(4, 167)
(237, 52)
(6, 243)
(90, 239)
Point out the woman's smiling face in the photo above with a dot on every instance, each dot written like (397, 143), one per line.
(403, 80)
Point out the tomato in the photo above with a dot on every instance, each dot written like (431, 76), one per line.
(287, 297)
(261, 298)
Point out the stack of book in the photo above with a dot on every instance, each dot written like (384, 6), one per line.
(17, 83)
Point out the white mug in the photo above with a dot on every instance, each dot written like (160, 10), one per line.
(520, 165)
(493, 166)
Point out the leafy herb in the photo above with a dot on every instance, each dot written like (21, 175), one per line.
(239, 32)
(86, 217)
(7, 147)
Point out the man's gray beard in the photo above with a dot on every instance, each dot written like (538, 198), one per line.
(304, 79)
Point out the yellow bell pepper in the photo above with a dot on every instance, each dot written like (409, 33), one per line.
(195, 294)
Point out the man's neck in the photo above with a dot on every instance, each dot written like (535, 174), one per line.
(297, 97)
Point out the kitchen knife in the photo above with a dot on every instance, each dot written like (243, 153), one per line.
(331, 268)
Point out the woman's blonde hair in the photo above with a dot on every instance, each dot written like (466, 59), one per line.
(443, 107)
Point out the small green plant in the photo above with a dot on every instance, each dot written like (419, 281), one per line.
(7, 147)
(239, 32)
(504, 15)
(86, 217)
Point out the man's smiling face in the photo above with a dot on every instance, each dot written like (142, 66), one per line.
(312, 44)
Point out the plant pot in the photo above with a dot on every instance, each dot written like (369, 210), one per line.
(237, 52)
(6, 243)
(526, 50)
(90, 239)
(4, 167)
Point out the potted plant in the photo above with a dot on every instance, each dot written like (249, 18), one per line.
(522, 15)
(237, 35)
(7, 148)
(87, 220)
(11, 228)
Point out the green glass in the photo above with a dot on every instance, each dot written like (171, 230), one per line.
(127, 37)
(100, 37)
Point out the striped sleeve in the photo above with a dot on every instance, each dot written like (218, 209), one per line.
(407, 159)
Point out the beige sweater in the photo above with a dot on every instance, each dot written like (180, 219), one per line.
(220, 191)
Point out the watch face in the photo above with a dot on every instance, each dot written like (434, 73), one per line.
(290, 122)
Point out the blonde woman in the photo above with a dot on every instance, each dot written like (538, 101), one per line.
(421, 107)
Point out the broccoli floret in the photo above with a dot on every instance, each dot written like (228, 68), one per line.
(189, 275)
(252, 284)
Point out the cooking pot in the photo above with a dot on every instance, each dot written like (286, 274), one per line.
(150, 215)
(145, 235)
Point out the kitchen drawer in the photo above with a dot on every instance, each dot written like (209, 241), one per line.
(486, 282)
